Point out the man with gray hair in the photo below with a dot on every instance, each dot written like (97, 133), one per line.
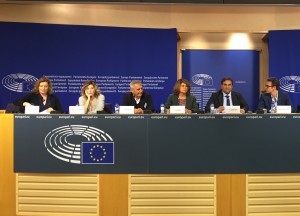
(138, 98)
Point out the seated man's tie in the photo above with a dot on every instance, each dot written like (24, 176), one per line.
(227, 100)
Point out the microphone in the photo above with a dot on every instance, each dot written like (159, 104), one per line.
(145, 105)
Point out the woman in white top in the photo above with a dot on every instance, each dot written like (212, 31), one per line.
(91, 98)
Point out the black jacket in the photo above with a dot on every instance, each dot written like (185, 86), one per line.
(37, 100)
(145, 101)
(217, 99)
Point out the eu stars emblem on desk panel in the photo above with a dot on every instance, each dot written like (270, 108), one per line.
(97, 152)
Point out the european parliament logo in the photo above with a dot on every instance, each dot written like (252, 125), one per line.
(290, 84)
(202, 80)
(80, 144)
(19, 82)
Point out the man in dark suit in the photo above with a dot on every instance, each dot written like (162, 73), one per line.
(138, 98)
(272, 97)
(226, 97)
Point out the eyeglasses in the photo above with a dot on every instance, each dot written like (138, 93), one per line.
(267, 86)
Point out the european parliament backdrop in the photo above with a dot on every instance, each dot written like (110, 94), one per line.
(284, 52)
(71, 54)
(206, 68)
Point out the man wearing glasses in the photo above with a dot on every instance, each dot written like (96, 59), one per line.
(272, 97)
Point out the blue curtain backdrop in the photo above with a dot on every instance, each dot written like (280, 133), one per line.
(72, 54)
(206, 68)
(284, 61)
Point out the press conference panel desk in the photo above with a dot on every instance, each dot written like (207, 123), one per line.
(261, 131)
(167, 144)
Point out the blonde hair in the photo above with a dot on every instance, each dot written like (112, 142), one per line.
(93, 83)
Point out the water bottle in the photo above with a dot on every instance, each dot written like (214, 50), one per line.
(117, 108)
(162, 108)
(212, 108)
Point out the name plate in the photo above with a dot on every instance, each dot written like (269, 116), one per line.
(177, 109)
(126, 110)
(32, 109)
(231, 110)
(76, 110)
(282, 109)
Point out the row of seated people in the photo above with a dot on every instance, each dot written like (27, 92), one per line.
(93, 101)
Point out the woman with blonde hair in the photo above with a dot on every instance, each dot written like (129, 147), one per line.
(91, 98)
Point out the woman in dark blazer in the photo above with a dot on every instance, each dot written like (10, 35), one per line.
(42, 96)
(181, 96)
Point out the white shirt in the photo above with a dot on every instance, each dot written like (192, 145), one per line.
(225, 99)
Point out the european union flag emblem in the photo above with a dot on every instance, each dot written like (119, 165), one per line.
(297, 87)
(97, 152)
(27, 86)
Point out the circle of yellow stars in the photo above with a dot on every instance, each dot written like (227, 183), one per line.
(97, 147)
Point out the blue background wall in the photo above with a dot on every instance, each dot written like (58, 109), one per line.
(284, 61)
(210, 66)
(71, 54)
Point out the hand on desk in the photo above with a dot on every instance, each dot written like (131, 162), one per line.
(50, 109)
(26, 104)
(187, 111)
(220, 109)
(138, 111)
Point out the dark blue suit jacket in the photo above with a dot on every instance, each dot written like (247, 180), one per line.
(265, 100)
(217, 99)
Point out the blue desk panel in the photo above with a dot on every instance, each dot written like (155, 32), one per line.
(152, 144)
